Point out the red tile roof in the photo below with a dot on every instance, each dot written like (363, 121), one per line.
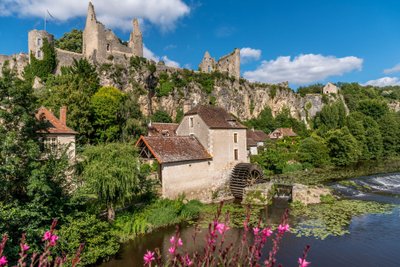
(174, 148)
(255, 136)
(216, 117)
(162, 129)
(54, 125)
(282, 132)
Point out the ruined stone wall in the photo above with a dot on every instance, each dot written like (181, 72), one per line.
(230, 64)
(66, 58)
(208, 64)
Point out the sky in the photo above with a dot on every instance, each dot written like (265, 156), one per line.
(299, 41)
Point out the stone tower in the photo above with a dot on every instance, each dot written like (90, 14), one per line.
(207, 64)
(35, 42)
(90, 34)
(136, 39)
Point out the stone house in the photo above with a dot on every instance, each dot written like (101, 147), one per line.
(255, 140)
(57, 137)
(198, 160)
(162, 129)
(229, 64)
(282, 133)
(330, 88)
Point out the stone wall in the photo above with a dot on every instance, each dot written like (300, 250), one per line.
(66, 58)
(230, 64)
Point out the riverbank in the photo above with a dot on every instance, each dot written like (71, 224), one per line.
(331, 174)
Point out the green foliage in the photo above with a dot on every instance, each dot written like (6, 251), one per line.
(179, 115)
(97, 236)
(161, 213)
(343, 147)
(389, 125)
(314, 151)
(311, 89)
(106, 105)
(265, 121)
(74, 88)
(373, 107)
(166, 85)
(331, 117)
(71, 41)
(42, 68)
(112, 173)
(132, 118)
(332, 218)
(161, 116)
(137, 62)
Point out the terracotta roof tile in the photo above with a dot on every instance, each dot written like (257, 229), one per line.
(54, 125)
(282, 132)
(162, 129)
(257, 135)
(174, 148)
(216, 117)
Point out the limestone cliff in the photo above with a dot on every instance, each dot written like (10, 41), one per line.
(164, 88)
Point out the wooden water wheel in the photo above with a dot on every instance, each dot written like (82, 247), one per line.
(244, 175)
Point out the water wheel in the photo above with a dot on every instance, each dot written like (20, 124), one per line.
(244, 175)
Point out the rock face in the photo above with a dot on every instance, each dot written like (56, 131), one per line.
(242, 98)
(308, 195)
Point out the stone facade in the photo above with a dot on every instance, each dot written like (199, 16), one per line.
(100, 44)
(229, 64)
(35, 42)
(330, 88)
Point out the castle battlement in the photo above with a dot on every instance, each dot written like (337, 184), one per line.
(227, 64)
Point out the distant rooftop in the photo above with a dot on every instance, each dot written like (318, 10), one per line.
(216, 117)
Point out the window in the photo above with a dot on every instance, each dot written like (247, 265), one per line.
(236, 154)
(235, 138)
(39, 41)
(108, 47)
(209, 68)
(191, 122)
(39, 54)
(50, 144)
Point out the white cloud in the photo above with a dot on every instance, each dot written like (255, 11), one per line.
(303, 69)
(170, 62)
(248, 54)
(382, 82)
(147, 53)
(113, 13)
(392, 70)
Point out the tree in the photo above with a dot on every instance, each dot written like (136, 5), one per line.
(373, 139)
(74, 89)
(265, 121)
(343, 147)
(106, 104)
(161, 116)
(389, 125)
(71, 41)
(132, 118)
(112, 173)
(373, 107)
(331, 117)
(314, 151)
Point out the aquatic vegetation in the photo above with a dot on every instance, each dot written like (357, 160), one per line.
(332, 218)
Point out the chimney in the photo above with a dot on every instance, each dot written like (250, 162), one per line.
(63, 115)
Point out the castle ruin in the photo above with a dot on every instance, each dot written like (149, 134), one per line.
(229, 64)
(100, 45)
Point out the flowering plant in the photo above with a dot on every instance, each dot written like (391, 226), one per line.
(217, 253)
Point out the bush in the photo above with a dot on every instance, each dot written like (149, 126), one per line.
(99, 241)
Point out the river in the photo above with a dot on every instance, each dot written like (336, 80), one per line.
(374, 239)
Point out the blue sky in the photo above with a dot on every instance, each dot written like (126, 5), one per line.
(300, 41)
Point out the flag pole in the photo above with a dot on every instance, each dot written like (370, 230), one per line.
(45, 20)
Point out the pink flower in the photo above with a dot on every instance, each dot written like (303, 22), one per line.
(222, 228)
(148, 257)
(188, 261)
(3, 261)
(172, 240)
(303, 262)
(180, 243)
(266, 232)
(283, 228)
(53, 240)
(25, 247)
(47, 236)
(256, 230)
(171, 250)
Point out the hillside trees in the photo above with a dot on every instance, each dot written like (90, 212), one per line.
(71, 41)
